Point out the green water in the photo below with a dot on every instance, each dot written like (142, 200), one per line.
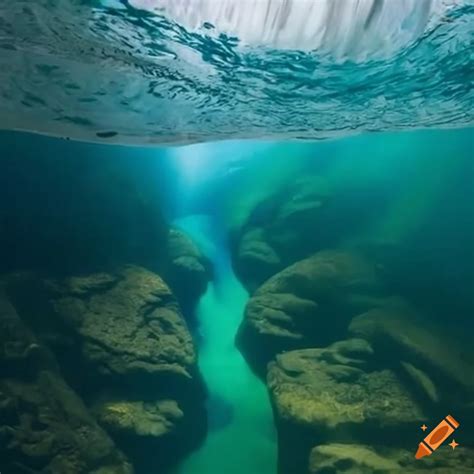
(242, 440)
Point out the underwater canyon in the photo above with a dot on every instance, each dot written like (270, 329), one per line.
(236, 307)
(236, 237)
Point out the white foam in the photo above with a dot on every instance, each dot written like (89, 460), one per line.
(345, 28)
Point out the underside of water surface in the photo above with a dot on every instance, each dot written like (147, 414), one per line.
(174, 72)
(208, 265)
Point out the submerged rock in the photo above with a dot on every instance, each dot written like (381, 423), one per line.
(44, 425)
(437, 358)
(281, 230)
(354, 405)
(305, 217)
(125, 347)
(337, 394)
(153, 419)
(256, 259)
(156, 432)
(351, 458)
(128, 323)
(188, 271)
(364, 459)
(308, 304)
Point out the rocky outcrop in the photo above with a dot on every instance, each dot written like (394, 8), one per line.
(187, 272)
(309, 304)
(281, 230)
(256, 260)
(437, 359)
(296, 222)
(355, 406)
(44, 425)
(344, 409)
(125, 347)
(337, 394)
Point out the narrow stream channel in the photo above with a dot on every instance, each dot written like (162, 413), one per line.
(241, 435)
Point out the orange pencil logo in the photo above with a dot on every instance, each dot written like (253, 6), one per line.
(436, 437)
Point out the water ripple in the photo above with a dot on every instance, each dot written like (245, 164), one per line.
(69, 69)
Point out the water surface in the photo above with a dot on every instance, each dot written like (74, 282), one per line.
(106, 71)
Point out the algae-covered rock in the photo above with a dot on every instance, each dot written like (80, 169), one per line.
(358, 403)
(281, 230)
(157, 432)
(257, 259)
(333, 387)
(129, 324)
(52, 430)
(337, 394)
(438, 358)
(44, 425)
(124, 345)
(349, 458)
(308, 304)
(188, 271)
(363, 459)
(147, 419)
(304, 217)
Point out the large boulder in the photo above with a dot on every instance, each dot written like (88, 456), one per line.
(125, 347)
(337, 394)
(308, 304)
(44, 425)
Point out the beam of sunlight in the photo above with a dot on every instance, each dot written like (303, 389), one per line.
(241, 434)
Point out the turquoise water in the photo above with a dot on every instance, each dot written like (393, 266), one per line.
(169, 77)
(278, 128)
(68, 208)
(241, 438)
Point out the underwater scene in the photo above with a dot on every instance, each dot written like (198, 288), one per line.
(237, 237)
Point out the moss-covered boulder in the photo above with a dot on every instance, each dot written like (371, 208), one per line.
(337, 394)
(129, 324)
(44, 425)
(308, 304)
(157, 432)
(155, 418)
(122, 342)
